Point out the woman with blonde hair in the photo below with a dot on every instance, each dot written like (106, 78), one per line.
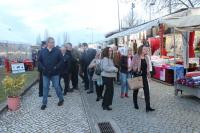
(97, 76)
(140, 63)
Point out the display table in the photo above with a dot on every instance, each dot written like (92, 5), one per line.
(166, 73)
(188, 90)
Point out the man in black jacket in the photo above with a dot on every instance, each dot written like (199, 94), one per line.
(65, 69)
(50, 62)
(43, 46)
(87, 56)
(74, 67)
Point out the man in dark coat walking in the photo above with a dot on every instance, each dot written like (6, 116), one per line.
(87, 56)
(65, 69)
(43, 46)
(50, 62)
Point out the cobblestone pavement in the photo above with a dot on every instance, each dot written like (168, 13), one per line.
(173, 114)
(69, 118)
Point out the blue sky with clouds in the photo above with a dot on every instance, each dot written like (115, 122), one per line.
(24, 20)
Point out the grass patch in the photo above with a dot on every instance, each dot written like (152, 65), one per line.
(31, 76)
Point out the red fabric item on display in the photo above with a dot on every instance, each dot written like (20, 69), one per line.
(192, 74)
(155, 44)
(164, 52)
(191, 42)
(161, 33)
(7, 65)
(157, 72)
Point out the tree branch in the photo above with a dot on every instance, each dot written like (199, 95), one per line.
(191, 3)
(184, 3)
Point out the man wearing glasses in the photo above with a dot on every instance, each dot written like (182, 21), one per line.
(50, 61)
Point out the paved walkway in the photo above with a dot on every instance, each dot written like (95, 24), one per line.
(172, 115)
(69, 118)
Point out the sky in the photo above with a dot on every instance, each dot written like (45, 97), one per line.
(25, 20)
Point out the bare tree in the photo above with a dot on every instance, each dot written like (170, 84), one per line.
(65, 37)
(38, 40)
(46, 34)
(171, 5)
(130, 20)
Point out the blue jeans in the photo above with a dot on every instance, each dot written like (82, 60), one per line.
(124, 82)
(46, 83)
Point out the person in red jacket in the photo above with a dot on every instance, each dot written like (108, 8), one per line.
(7, 65)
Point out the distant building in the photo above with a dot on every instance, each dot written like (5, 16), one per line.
(15, 50)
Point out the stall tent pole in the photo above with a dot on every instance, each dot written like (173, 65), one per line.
(175, 91)
(174, 56)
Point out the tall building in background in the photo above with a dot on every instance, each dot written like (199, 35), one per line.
(46, 34)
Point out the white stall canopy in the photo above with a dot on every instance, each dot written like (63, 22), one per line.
(186, 23)
(185, 20)
(136, 29)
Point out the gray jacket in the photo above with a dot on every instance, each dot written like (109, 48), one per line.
(108, 68)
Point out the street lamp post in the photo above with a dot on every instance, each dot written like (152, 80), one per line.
(133, 6)
(92, 34)
(118, 15)
(151, 4)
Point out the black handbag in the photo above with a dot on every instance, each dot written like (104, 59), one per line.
(137, 74)
(98, 69)
(91, 71)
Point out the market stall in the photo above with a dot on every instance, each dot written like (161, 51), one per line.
(189, 84)
(188, 24)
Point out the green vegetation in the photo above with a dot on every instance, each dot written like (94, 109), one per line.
(30, 76)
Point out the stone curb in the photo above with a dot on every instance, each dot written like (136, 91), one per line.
(84, 103)
(3, 106)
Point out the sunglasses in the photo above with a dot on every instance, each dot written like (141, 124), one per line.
(52, 42)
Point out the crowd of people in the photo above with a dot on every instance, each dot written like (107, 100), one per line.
(99, 69)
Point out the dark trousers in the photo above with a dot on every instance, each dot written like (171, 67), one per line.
(146, 93)
(86, 80)
(91, 83)
(118, 74)
(108, 95)
(74, 76)
(66, 82)
(82, 77)
(41, 84)
(99, 89)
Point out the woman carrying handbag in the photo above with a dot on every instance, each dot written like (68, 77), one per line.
(140, 63)
(97, 75)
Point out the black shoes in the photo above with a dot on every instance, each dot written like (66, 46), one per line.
(107, 108)
(89, 92)
(75, 88)
(136, 106)
(60, 103)
(150, 109)
(42, 95)
(43, 107)
(65, 93)
(70, 90)
(99, 98)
